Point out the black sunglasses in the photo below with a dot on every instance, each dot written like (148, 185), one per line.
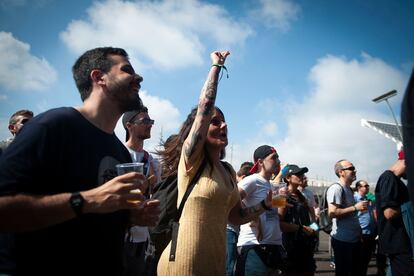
(25, 120)
(216, 122)
(144, 121)
(352, 168)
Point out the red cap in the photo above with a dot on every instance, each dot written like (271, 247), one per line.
(261, 153)
(401, 155)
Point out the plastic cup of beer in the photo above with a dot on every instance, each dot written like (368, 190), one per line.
(131, 167)
(278, 201)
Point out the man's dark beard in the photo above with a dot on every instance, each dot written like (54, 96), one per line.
(120, 94)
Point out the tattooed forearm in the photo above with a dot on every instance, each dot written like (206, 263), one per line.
(191, 146)
(208, 96)
(251, 211)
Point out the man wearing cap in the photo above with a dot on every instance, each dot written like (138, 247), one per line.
(391, 193)
(346, 232)
(263, 236)
(138, 125)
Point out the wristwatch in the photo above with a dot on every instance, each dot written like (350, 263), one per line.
(76, 202)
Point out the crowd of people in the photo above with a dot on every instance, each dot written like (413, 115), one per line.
(65, 210)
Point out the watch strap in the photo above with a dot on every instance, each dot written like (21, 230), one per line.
(76, 202)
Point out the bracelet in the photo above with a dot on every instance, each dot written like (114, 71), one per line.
(218, 65)
(221, 66)
(265, 206)
(355, 208)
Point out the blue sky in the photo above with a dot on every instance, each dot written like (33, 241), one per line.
(302, 73)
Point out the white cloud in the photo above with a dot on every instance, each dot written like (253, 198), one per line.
(166, 34)
(165, 114)
(277, 13)
(325, 127)
(19, 69)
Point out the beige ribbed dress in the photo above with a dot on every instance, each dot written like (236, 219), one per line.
(201, 243)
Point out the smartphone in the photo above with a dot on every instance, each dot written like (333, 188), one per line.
(314, 226)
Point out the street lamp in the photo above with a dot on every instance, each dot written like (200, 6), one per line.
(385, 98)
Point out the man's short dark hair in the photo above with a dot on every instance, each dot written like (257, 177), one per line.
(23, 112)
(97, 58)
(245, 169)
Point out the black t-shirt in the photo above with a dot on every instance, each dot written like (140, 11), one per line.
(60, 151)
(391, 192)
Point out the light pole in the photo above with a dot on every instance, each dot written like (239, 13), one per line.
(385, 98)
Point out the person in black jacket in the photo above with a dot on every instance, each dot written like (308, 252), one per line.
(390, 194)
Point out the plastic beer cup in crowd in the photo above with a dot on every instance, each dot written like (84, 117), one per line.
(131, 167)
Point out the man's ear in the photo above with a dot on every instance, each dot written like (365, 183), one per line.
(97, 76)
(12, 129)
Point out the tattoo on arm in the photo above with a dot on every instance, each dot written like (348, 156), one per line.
(190, 148)
(250, 211)
(209, 93)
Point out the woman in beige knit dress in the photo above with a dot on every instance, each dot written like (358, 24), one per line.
(201, 242)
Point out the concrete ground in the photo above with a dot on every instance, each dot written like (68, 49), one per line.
(323, 260)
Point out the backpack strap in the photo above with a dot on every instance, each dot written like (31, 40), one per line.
(175, 223)
(342, 194)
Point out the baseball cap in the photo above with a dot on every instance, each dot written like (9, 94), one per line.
(401, 155)
(128, 116)
(294, 169)
(261, 153)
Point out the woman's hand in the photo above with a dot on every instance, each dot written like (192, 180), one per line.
(219, 57)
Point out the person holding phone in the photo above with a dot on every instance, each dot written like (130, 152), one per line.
(298, 237)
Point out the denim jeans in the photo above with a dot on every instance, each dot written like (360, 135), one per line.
(231, 253)
(255, 267)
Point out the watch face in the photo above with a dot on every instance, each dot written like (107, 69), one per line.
(77, 200)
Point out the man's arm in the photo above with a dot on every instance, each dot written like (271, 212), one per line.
(335, 211)
(25, 212)
(240, 214)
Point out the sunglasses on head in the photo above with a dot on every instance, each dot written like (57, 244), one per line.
(144, 121)
(352, 168)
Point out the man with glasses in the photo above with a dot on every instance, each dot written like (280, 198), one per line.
(16, 122)
(7, 243)
(346, 232)
(367, 222)
(138, 125)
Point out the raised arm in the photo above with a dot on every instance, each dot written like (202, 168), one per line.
(194, 143)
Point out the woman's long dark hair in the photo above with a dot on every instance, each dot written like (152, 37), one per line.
(170, 151)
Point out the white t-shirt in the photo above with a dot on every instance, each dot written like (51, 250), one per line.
(140, 233)
(256, 188)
